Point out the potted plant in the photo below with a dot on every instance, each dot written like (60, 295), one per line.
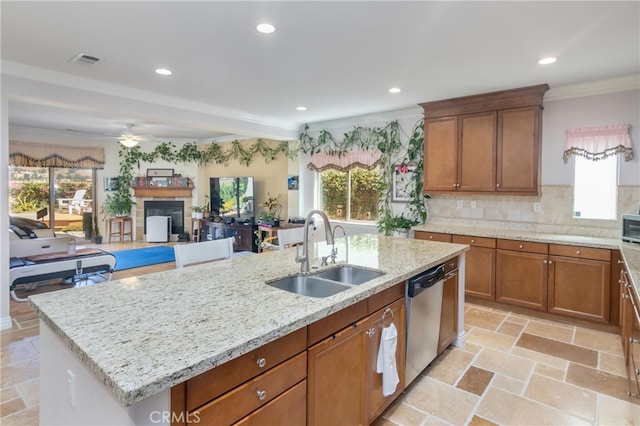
(396, 225)
(270, 214)
(117, 205)
(197, 212)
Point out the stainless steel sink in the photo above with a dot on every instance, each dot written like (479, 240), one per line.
(307, 285)
(348, 274)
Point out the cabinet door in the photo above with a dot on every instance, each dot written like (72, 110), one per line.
(477, 152)
(449, 314)
(633, 368)
(336, 378)
(377, 401)
(579, 288)
(518, 150)
(626, 318)
(440, 154)
(521, 279)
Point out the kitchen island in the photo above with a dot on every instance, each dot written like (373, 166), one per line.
(110, 353)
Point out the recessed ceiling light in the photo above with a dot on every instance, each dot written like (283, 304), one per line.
(547, 61)
(395, 90)
(301, 108)
(266, 28)
(163, 71)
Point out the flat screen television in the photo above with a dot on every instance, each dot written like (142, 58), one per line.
(232, 197)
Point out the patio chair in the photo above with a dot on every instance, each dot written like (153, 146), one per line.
(286, 238)
(76, 203)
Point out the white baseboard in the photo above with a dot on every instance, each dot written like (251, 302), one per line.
(5, 323)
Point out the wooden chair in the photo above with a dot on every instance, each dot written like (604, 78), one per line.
(207, 251)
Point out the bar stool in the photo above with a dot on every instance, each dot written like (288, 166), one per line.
(121, 232)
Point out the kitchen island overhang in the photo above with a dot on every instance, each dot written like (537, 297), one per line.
(140, 336)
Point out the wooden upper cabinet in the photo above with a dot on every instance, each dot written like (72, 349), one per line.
(518, 151)
(484, 143)
(476, 152)
(441, 152)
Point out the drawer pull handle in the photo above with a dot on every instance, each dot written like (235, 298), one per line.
(261, 362)
(261, 395)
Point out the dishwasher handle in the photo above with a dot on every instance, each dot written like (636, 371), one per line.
(425, 280)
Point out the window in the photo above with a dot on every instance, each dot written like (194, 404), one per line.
(595, 191)
(350, 195)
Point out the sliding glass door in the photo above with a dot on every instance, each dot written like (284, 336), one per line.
(59, 197)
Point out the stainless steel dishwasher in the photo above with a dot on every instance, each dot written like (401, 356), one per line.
(424, 305)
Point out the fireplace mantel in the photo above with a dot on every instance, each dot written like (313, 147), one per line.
(162, 191)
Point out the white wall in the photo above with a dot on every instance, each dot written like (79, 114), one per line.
(589, 111)
(5, 318)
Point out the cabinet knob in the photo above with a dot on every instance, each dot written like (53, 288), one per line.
(620, 262)
(497, 185)
(261, 395)
(625, 296)
(545, 261)
(371, 332)
(473, 241)
(577, 251)
(431, 237)
(261, 362)
(550, 262)
(520, 246)
(454, 185)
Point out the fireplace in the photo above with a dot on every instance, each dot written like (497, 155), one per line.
(173, 208)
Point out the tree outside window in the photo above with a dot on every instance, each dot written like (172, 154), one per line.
(350, 195)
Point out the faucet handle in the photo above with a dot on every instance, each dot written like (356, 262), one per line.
(299, 259)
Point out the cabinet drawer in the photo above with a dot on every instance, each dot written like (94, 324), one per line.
(239, 402)
(289, 408)
(432, 236)
(339, 320)
(386, 297)
(526, 246)
(451, 264)
(475, 241)
(215, 382)
(581, 252)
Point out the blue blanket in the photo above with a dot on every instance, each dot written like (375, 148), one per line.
(136, 258)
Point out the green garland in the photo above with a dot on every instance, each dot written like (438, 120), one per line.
(387, 140)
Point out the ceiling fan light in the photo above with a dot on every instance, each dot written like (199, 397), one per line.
(129, 142)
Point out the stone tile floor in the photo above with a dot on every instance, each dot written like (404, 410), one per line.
(512, 370)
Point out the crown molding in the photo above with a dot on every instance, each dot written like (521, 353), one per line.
(601, 87)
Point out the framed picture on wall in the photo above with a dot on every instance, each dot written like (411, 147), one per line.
(110, 183)
(402, 185)
(292, 183)
(159, 173)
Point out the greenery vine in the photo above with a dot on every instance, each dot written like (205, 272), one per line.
(387, 140)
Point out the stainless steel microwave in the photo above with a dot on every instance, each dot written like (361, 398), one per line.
(631, 228)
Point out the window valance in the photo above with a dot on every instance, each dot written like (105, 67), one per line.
(45, 155)
(597, 143)
(365, 159)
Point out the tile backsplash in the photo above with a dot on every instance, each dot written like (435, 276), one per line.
(555, 213)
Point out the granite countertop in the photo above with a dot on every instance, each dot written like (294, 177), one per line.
(630, 251)
(142, 335)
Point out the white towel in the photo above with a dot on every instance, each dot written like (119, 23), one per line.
(386, 364)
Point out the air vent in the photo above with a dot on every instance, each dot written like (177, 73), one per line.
(84, 59)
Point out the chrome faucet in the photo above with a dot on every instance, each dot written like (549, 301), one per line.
(334, 249)
(304, 258)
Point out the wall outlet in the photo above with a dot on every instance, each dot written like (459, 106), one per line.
(459, 204)
(474, 204)
(537, 207)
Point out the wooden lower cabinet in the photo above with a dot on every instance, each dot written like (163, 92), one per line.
(480, 261)
(579, 288)
(449, 314)
(343, 385)
(432, 236)
(396, 313)
(630, 322)
(521, 279)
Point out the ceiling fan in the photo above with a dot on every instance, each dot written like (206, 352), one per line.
(128, 139)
